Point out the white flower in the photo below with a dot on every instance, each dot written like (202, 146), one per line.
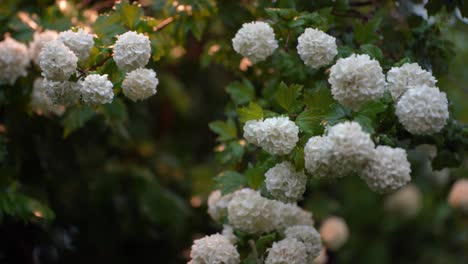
(249, 212)
(334, 232)
(276, 135)
(318, 156)
(14, 60)
(214, 249)
(132, 51)
(287, 215)
(97, 89)
(255, 40)
(39, 39)
(351, 147)
(80, 42)
(405, 202)
(284, 183)
(388, 169)
(423, 110)
(40, 102)
(316, 48)
(356, 80)
(217, 205)
(400, 79)
(62, 92)
(57, 61)
(140, 84)
(228, 232)
(288, 250)
(307, 235)
(458, 197)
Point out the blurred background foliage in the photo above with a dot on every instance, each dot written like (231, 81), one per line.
(128, 182)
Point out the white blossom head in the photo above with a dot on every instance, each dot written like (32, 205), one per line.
(288, 250)
(217, 205)
(334, 232)
(80, 42)
(289, 214)
(307, 235)
(423, 110)
(132, 51)
(228, 232)
(458, 197)
(214, 249)
(285, 183)
(276, 135)
(388, 169)
(318, 154)
(39, 39)
(40, 102)
(316, 48)
(255, 41)
(97, 89)
(62, 92)
(57, 61)
(14, 60)
(352, 147)
(356, 80)
(140, 84)
(400, 79)
(406, 202)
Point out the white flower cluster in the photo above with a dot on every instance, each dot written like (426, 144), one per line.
(62, 92)
(132, 51)
(342, 151)
(334, 232)
(356, 80)
(39, 39)
(276, 135)
(423, 110)
(284, 183)
(288, 250)
(309, 236)
(406, 202)
(400, 79)
(57, 61)
(97, 89)
(217, 205)
(80, 42)
(214, 249)
(140, 84)
(40, 102)
(14, 60)
(249, 212)
(316, 48)
(255, 41)
(387, 170)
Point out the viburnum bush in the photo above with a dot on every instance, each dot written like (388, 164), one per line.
(327, 91)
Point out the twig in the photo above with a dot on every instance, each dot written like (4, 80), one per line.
(254, 250)
(164, 23)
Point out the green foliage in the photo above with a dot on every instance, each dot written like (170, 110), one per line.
(251, 112)
(241, 92)
(225, 130)
(230, 181)
(22, 207)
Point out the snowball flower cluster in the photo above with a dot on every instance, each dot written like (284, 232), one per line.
(228, 232)
(289, 214)
(132, 51)
(400, 79)
(62, 92)
(80, 42)
(214, 249)
(276, 135)
(318, 154)
(288, 250)
(423, 110)
(39, 39)
(284, 183)
(255, 41)
(140, 84)
(458, 197)
(316, 48)
(356, 80)
(57, 61)
(40, 102)
(309, 236)
(387, 170)
(334, 232)
(217, 205)
(97, 89)
(405, 202)
(14, 60)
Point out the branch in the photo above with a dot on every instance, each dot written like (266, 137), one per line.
(164, 23)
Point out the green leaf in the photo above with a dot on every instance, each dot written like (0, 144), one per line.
(366, 123)
(309, 121)
(265, 242)
(76, 118)
(372, 109)
(255, 176)
(241, 92)
(251, 112)
(401, 62)
(373, 51)
(130, 14)
(287, 97)
(225, 130)
(230, 181)
(23, 207)
(367, 33)
(338, 114)
(297, 156)
(107, 27)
